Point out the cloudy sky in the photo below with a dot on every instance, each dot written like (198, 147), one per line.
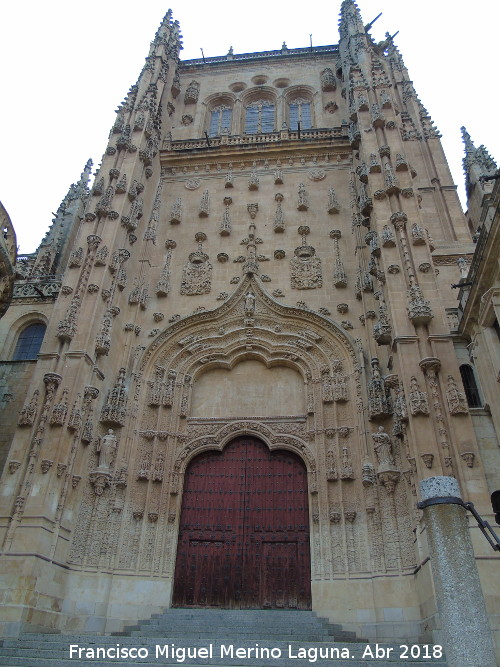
(65, 67)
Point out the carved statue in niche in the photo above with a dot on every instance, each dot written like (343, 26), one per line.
(417, 398)
(379, 403)
(249, 303)
(106, 446)
(168, 395)
(339, 382)
(383, 449)
(156, 386)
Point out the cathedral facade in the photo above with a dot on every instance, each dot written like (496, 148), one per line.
(250, 353)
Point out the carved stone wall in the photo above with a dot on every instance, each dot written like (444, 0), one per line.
(337, 348)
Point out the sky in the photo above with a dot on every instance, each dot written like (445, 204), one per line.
(66, 66)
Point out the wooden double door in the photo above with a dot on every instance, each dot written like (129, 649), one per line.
(244, 530)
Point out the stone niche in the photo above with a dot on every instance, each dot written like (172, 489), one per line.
(248, 389)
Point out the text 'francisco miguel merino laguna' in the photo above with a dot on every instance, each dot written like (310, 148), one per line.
(181, 653)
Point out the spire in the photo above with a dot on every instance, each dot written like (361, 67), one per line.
(477, 161)
(64, 225)
(395, 57)
(168, 34)
(350, 22)
(77, 190)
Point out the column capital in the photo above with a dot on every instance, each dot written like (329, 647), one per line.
(439, 487)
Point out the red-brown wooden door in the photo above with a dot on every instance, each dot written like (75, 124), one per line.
(244, 530)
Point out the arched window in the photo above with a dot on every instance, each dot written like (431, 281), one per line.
(470, 386)
(259, 117)
(29, 342)
(220, 120)
(299, 111)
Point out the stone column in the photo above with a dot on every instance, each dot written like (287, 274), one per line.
(466, 633)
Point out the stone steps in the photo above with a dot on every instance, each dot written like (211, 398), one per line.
(270, 638)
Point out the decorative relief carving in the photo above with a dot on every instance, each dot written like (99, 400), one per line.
(382, 330)
(252, 210)
(305, 267)
(328, 82)
(225, 226)
(76, 258)
(346, 470)
(419, 309)
(457, 402)
(302, 201)
(60, 410)
(279, 219)
(115, 407)
(418, 235)
(379, 402)
(333, 205)
(192, 93)
(253, 181)
(316, 174)
(204, 205)
(13, 466)
(192, 184)
(468, 457)
(339, 274)
(102, 256)
(163, 285)
(229, 181)
(28, 413)
(428, 460)
(331, 469)
(75, 417)
(417, 399)
(390, 180)
(197, 273)
(368, 476)
(176, 212)
(131, 220)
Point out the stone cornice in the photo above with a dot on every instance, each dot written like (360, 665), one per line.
(239, 58)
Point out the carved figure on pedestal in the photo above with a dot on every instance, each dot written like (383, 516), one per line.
(383, 448)
(106, 446)
(249, 303)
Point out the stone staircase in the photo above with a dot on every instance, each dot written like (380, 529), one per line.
(217, 638)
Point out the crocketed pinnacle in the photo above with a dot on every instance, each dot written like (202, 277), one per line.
(476, 156)
(350, 22)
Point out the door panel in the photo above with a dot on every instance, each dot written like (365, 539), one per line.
(244, 536)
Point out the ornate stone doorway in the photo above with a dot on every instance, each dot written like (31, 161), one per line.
(244, 530)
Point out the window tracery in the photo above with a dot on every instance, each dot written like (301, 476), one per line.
(220, 120)
(29, 342)
(299, 111)
(260, 117)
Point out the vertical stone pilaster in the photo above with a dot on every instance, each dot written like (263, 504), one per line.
(464, 623)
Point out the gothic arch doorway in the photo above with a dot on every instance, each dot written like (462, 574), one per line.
(244, 530)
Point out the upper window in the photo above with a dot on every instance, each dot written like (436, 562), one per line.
(220, 120)
(470, 386)
(29, 342)
(259, 117)
(300, 112)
